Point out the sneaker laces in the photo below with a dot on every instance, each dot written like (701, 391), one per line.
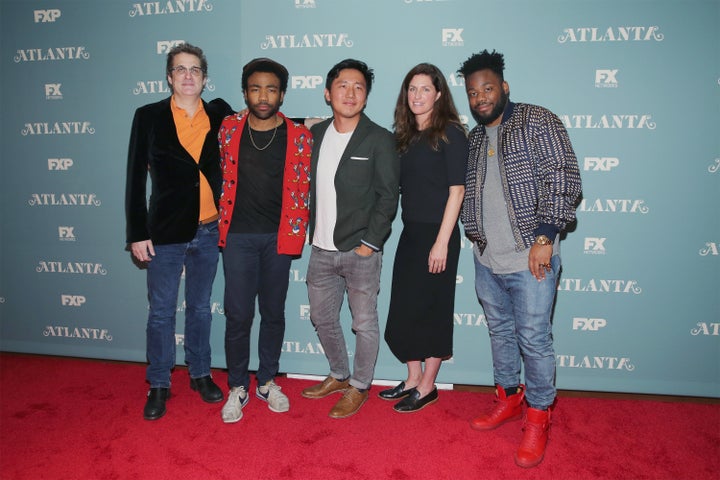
(499, 409)
(533, 432)
(238, 394)
(267, 389)
(272, 394)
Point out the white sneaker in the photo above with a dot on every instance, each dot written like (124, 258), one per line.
(232, 410)
(277, 401)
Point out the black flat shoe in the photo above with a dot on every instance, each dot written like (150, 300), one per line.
(396, 392)
(209, 392)
(413, 402)
(155, 405)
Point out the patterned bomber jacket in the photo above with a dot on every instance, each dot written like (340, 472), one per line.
(539, 172)
(295, 207)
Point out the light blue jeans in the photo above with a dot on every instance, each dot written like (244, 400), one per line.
(518, 309)
(329, 276)
(164, 271)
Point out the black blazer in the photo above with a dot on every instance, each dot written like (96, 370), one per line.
(174, 207)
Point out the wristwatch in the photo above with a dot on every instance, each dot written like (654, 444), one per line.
(543, 240)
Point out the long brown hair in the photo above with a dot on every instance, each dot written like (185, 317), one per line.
(443, 113)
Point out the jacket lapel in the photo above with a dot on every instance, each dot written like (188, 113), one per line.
(356, 139)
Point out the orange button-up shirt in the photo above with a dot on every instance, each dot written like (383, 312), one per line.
(191, 132)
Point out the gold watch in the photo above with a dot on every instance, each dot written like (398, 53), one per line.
(543, 240)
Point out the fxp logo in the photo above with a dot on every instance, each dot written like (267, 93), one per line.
(601, 164)
(59, 163)
(606, 78)
(305, 81)
(72, 300)
(45, 16)
(590, 324)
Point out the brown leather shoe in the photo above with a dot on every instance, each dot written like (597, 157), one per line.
(350, 403)
(328, 386)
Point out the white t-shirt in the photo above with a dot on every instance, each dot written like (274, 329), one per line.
(331, 150)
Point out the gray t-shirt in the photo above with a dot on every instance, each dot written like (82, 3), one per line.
(499, 255)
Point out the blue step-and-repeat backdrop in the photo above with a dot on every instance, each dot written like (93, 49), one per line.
(636, 83)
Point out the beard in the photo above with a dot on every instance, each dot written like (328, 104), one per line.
(274, 109)
(495, 113)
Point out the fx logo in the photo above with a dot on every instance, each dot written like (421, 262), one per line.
(306, 81)
(603, 164)
(72, 300)
(164, 46)
(52, 90)
(452, 36)
(595, 245)
(44, 16)
(592, 324)
(606, 78)
(305, 312)
(59, 163)
(66, 233)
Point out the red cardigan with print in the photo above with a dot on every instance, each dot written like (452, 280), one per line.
(294, 211)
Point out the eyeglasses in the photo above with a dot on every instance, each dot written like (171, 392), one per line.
(182, 70)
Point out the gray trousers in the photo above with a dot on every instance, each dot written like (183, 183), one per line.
(330, 275)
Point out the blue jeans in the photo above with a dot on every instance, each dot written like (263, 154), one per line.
(254, 269)
(518, 309)
(329, 276)
(164, 271)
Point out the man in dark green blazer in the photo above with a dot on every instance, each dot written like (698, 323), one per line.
(354, 194)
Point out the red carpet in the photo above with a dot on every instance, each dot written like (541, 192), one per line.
(66, 418)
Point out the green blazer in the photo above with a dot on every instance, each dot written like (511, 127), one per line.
(366, 184)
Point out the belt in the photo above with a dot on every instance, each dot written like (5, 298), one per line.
(209, 220)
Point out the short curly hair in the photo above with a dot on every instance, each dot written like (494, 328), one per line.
(265, 65)
(483, 61)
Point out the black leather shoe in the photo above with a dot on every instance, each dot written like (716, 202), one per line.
(413, 402)
(209, 392)
(155, 405)
(396, 392)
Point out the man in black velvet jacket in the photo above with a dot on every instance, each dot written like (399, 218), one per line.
(175, 141)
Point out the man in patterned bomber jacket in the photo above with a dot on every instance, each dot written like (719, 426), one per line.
(264, 210)
(522, 185)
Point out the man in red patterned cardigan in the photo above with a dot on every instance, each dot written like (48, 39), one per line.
(263, 220)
